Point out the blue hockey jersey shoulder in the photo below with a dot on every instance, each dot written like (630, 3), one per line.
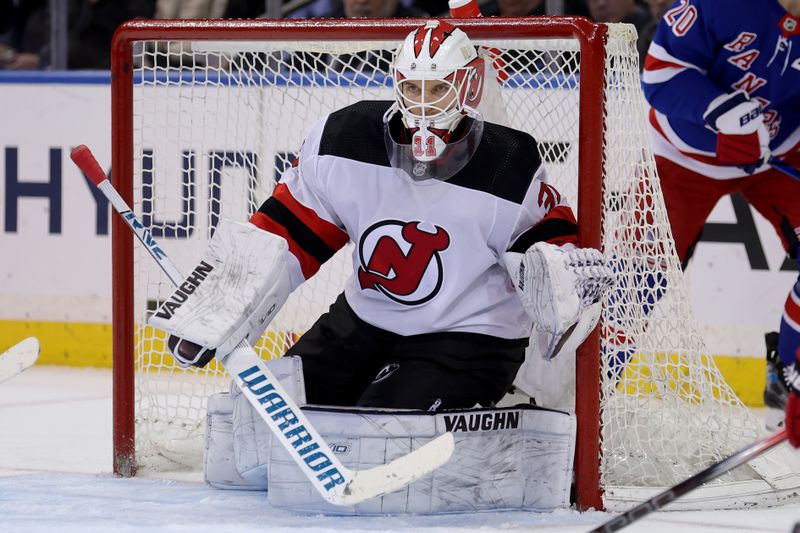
(704, 48)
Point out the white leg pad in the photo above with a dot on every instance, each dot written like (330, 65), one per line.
(550, 382)
(514, 458)
(511, 458)
(237, 440)
(219, 466)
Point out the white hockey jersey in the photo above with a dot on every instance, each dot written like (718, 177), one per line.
(428, 254)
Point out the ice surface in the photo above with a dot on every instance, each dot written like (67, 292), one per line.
(55, 475)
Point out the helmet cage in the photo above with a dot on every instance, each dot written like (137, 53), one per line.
(438, 81)
(444, 112)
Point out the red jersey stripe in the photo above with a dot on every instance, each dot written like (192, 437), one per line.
(562, 212)
(329, 233)
(653, 63)
(308, 263)
(697, 157)
(792, 309)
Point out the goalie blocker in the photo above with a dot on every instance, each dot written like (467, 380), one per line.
(512, 458)
(231, 295)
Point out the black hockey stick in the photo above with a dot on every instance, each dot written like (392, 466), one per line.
(336, 483)
(673, 493)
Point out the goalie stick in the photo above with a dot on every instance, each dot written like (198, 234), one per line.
(18, 358)
(335, 483)
(673, 493)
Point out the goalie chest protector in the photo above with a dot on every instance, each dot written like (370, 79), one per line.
(432, 246)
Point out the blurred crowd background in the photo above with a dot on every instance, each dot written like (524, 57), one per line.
(76, 34)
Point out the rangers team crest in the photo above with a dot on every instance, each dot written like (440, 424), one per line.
(402, 260)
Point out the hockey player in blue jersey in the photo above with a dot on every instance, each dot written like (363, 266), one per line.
(723, 82)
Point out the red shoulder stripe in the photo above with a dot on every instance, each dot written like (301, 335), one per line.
(308, 263)
(562, 213)
(792, 309)
(312, 240)
(557, 227)
(653, 63)
(329, 233)
(697, 157)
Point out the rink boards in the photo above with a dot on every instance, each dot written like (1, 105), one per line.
(55, 270)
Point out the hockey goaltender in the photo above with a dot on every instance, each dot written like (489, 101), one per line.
(462, 249)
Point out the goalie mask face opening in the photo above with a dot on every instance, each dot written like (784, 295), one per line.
(438, 82)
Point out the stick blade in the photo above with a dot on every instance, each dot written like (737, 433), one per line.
(397, 474)
(19, 357)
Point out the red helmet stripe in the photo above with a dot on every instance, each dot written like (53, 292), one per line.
(419, 38)
(439, 34)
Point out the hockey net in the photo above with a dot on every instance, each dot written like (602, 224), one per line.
(208, 115)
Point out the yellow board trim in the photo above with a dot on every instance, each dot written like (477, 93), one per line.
(270, 344)
(745, 375)
(63, 343)
(89, 344)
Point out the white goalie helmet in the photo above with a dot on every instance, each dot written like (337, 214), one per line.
(438, 81)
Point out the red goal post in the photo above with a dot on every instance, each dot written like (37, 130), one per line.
(164, 108)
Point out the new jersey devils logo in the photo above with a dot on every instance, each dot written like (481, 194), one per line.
(402, 261)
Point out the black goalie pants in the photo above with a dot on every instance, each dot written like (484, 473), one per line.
(347, 362)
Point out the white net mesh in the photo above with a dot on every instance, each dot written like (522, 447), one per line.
(216, 123)
(667, 410)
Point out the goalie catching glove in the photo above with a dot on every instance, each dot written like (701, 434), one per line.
(556, 286)
(231, 295)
